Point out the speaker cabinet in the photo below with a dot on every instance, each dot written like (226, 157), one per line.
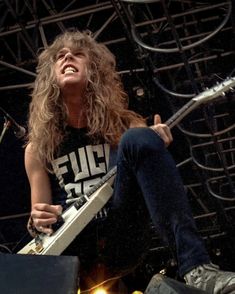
(38, 274)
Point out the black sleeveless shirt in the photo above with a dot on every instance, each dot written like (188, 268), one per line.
(79, 165)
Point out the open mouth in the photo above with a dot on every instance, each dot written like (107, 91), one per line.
(69, 69)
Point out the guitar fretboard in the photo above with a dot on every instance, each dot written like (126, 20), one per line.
(181, 113)
(84, 198)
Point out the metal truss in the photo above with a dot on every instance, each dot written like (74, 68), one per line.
(167, 53)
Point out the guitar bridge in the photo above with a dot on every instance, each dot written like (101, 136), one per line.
(39, 246)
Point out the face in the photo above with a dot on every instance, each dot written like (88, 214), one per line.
(70, 70)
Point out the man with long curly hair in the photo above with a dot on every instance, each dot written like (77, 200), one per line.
(79, 127)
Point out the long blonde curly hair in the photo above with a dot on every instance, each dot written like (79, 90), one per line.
(106, 102)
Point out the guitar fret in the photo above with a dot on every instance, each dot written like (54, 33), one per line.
(107, 177)
(180, 114)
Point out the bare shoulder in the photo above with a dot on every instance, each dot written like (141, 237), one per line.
(29, 149)
(31, 161)
(29, 155)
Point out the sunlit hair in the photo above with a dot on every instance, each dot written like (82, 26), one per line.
(106, 102)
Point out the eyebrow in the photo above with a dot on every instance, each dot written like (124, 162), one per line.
(62, 50)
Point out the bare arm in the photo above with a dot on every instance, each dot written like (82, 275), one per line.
(43, 213)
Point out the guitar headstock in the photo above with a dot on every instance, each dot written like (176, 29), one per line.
(216, 91)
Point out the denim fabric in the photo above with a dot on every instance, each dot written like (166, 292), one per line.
(143, 163)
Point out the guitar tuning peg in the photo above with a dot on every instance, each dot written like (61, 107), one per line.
(223, 94)
(231, 89)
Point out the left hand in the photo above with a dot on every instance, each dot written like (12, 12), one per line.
(162, 130)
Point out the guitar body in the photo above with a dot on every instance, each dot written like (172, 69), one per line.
(75, 221)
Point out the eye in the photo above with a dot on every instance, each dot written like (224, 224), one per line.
(60, 56)
(79, 53)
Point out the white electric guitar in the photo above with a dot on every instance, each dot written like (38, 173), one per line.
(83, 210)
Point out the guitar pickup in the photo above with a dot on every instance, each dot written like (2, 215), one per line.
(80, 202)
(58, 224)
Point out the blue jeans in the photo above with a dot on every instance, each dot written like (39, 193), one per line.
(145, 165)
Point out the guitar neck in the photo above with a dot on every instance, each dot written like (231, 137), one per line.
(201, 98)
(181, 113)
(108, 178)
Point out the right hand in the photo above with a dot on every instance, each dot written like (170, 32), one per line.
(44, 215)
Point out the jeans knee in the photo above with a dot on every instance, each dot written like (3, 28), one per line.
(142, 138)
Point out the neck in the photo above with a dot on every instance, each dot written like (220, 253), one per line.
(76, 112)
(77, 121)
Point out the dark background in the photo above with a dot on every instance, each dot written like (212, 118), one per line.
(180, 64)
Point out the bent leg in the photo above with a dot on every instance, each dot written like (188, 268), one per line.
(145, 163)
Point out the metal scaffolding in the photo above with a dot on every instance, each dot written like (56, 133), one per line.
(172, 50)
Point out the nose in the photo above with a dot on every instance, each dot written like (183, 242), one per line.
(68, 55)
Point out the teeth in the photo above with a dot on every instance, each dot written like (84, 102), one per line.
(70, 69)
